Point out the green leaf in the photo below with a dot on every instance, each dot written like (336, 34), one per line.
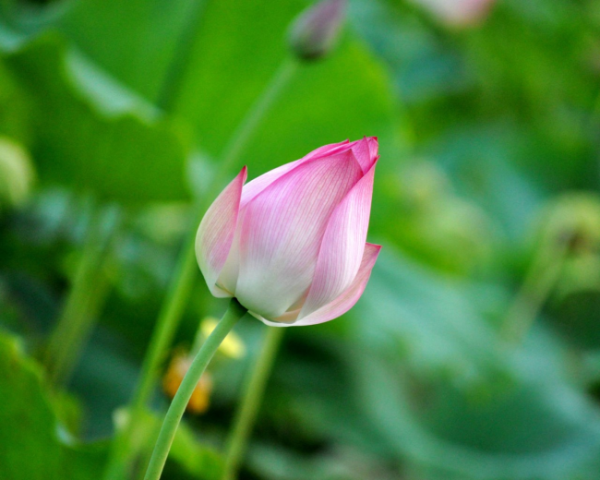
(532, 430)
(91, 134)
(28, 430)
(139, 37)
(33, 444)
(235, 49)
(439, 385)
(427, 323)
(576, 316)
(240, 46)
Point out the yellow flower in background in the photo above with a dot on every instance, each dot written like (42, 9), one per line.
(232, 346)
(200, 399)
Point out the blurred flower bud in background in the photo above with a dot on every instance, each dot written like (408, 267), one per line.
(573, 218)
(231, 347)
(572, 222)
(569, 231)
(314, 33)
(180, 364)
(16, 173)
(458, 13)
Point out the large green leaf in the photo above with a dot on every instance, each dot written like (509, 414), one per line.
(428, 323)
(138, 37)
(532, 430)
(32, 442)
(34, 445)
(235, 50)
(134, 41)
(239, 48)
(88, 132)
(28, 434)
(444, 391)
(424, 377)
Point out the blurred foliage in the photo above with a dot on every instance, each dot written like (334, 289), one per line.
(489, 144)
(31, 441)
(17, 173)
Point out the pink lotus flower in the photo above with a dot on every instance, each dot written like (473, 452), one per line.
(291, 244)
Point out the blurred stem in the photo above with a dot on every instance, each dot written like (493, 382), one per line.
(88, 290)
(595, 110)
(168, 320)
(250, 403)
(589, 123)
(239, 141)
(535, 290)
(173, 417)
(183, 279)
(175, 76)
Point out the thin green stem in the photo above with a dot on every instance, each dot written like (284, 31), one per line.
(185, 274)
(175, 76)
(535, 290)
(252, 120)
(84, 300)
(173, 417)
(248, 408)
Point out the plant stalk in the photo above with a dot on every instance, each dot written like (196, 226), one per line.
(173, 417)
(248, 408)
(84, 300)
(541, 278)
(175, 76)
(186, 271)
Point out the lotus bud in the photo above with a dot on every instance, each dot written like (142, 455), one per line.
(316, 30)
(291, 244)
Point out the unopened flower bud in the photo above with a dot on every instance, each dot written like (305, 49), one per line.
(291, 245)
(573, 220)
(200, 399)
(314, 32)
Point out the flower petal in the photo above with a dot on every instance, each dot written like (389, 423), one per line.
(373, 146)
(325, 150)
(345, 301)
(282, 229)
(343, 245)
(254, 187)
(216, 231)
(365, 151)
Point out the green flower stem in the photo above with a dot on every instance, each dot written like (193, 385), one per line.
(243, 133)
(173, 417)
(251, 401)
(185, 274)
(175, 75)
(541, 278)
(89, 288)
